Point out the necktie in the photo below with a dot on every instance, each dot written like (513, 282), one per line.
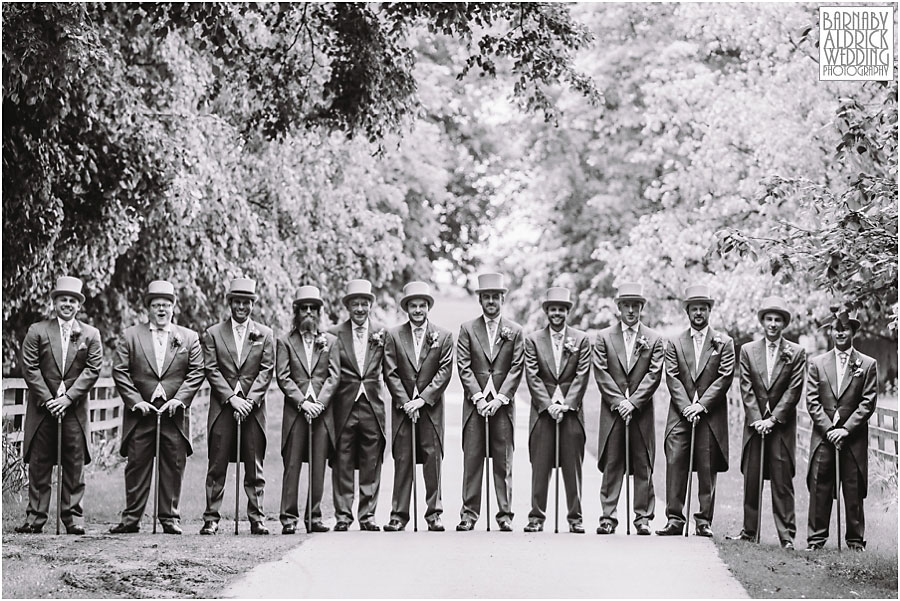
(359, 346)
(65, 331)
(239, 334)
(698, 348)
(557, 338)
(418, 334)
(842, 362)
(492, 333)
(629, 345)
(159, 347)
(770, 364)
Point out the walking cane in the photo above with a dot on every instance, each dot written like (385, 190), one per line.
(762, 463)
(627, 421)
(59, 472)
(412, 423)
(309, 486)
(237, 476)
(156, 474)
(487, 470)
(556, 470)
(687, 515)
(837, 477)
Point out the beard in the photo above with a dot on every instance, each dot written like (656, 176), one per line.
(306, 323)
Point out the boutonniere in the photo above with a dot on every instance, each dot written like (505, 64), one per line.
(176, 341)
(377, 338)
(569, 345)
(433, 339)
(320, 342)
(718, 344)
(506, 333)
(857, 367)
(75, 334)
(642, 344)
(254, 334)
(786, 355)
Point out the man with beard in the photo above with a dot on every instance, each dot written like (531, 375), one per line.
(418, 362)
(557, 371)
(308, 371)
(628, 360)
(772, 371)
(841, 392)
(490, 357)
(239, 354)
(158, 368)
(359, 415)
(61, 360)
(699, 370)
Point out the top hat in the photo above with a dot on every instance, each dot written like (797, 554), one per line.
(68, 285)
(697, 294)
(416, 290)
(243, 288)
(774, 304)
(557, 296)
(160, 289)
(630, 291)
(357, 288)
(491, 282)
(308, 294)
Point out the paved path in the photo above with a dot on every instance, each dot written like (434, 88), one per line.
(493, 564)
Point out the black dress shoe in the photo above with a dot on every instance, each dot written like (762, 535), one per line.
(704, 530)
(124, 529)
(341, 527)
(258, 528)
(787, 545)
(171, 528)
(576, 528)
(289, 529)
(743, 536)
(606, 528)
(465, 526)
(368, 527)
(856, 547)
(318, 527)
(435, 525)
(505, 526)
(28, 529)
(814, 547)
(670, 530)
(534, 527)
(643, 530)
(209, 528)
(76, 529)
(393, 526)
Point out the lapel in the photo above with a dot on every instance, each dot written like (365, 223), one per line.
(618, 342)
(565, 357)
(758, 359)
(145, 337)
(230, 344)
(346, 336)
(56, 344)
(635, 355)
(316, 352)
(545, 344)
(370, 348)
(480, 330)
(248, 344)
(848, 377)
(170, 348)
(296, 341)
(706, 351)
(779, 362)
(73, 348)
(406, 341)
(829, 360)
(687, 351)
(426, 345)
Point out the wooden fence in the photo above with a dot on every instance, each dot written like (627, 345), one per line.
(105, 409)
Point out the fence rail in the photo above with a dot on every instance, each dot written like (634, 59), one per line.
(104, 410)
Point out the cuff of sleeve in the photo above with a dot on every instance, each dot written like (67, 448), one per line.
(775, 419)
(504, 400)
(477, 397)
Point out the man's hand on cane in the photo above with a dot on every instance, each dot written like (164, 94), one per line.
(625, 409)
(57, 407)
(763, 426)
(493, 405)
(312, 408)
(837, 436)
(693, 411)
(144, 407)
(241, 406)
(412, 407)
(171, 407)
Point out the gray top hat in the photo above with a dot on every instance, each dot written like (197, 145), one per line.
(630, 291)
(774, 304)
(68, 285)
(557, 296)
(242, 287)
(308, 294)
(357, 288)
(159, 289)
(697, 294)
(491, 282)
(416, 290)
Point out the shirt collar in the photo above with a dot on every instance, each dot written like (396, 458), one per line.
(63, 322)
(166, 329)
(235, 324)
(424, 326)
(701, 333)
(364, 326)
(560, 333)
(777, 343)
(633, 328)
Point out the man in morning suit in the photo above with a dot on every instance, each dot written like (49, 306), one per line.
(841, 392)
(239, 356)
(557, 371)
(158, 368)
(418, 363)
(61, 360)
(308, 370)
(490, 357)
(358, 410)
(772, 372)
(699, 369)
(628, 361)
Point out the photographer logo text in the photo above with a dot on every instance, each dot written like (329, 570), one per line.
(856, 43)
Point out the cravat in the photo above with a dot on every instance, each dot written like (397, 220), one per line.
(492, 333)
(239, 341)
(770, 363)
(359, 346)
(629, 345)
(418, 334)
(65, 331)
(557, 338)
(159, 348)
(698, 347)
(842, 362)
